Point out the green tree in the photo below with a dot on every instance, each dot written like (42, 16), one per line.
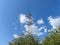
(25, 40)
(53, 39)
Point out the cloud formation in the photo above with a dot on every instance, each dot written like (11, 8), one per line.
(40, 21)
(23, 18)
(55, 22)
(33, 29)
(16, 36)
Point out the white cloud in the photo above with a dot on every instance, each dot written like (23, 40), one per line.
(55, 22)
(40, 21)
(45, 30)
(16, 36)
(33, 29)
(23, 18)
(40, 33)
(42, 27)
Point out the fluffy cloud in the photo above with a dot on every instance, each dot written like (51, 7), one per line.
(55, 22)
(23, 18)
(45, 29)
(33, 29)
(36, 30)
(40, 21)
(39, 34)
(42, 28)
(16, 36)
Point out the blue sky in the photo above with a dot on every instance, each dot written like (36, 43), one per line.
(11, 9)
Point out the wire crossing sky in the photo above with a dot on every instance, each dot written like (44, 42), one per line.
(45, 13)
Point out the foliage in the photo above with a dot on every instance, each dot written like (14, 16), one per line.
(52, 39)
(25, 40)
